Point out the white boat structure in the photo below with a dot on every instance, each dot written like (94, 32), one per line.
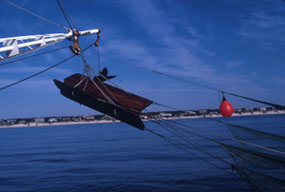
(16, 46)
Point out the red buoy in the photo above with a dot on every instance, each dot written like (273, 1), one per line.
(226, 108)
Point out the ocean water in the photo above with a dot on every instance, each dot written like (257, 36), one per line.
(118, 157)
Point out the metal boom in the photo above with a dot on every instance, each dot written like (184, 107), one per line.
(15, 46)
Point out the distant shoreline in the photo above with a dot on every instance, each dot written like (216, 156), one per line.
(33, 124)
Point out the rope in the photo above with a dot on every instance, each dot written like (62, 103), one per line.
(106, 89)
(28, 57)
(246, 128)
(177, 145)
(81, 80)
(232, 139)
(92, 70)
(101, 91)
(94, 83)
(234, 166)
(116, 85)
(36, 15)
(103, 85)
(196, 134)
(36, 74)
(220, 91)
(40, 72)
(113, 83)
(225, 137)
(237, 167)
(162, 105)
(195, 145)
(158, 120)
(83, 77)
(66, 16)
(197, 84)
(255, 100)
(88, 69)
(99, 63)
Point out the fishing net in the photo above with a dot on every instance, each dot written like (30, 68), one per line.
(262, 182)
(257, 137)
(257, 156)
(261, 164)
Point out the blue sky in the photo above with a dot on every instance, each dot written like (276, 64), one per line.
(237, 46)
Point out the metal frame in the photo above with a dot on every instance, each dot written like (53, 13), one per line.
(15, 46)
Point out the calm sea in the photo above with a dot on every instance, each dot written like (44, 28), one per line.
(117, 157)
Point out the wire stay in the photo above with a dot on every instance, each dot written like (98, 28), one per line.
(65, 14)
(35, 15)
(195, 83)
(42, 71)
(35, 55)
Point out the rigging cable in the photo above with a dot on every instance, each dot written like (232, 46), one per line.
(172, 125)
(209, 132)
(225, 137)
(86, 66)
(212, 133)
(99, 63)
(178, 145)
(195, 83)
(65, 14)
(40, 72)
(256, 131)
(234, 167)
(181, 136)
(35, 55)
(36, 74)
(170, 129)
(232, 139)
(35, 15)
(166, 106)
(232, 125)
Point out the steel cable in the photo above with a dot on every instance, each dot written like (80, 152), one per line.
(65, 14)
(36, 15)
(35, 55)
(42, 71)
(194, 83)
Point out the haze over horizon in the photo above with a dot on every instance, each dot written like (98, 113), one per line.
(237, 46)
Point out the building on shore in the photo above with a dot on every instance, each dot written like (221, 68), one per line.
(52, 120)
